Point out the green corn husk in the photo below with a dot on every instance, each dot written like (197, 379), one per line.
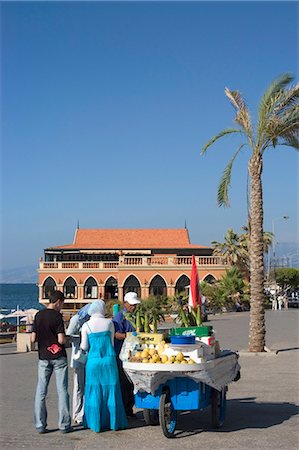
(138, 321)
(131, 320)
(198, 316)
(184, 318)
(146, 323)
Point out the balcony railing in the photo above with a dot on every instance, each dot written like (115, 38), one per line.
(144, 261)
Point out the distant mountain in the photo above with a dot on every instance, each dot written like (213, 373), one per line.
(26, 274)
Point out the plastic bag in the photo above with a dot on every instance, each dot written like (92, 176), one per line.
(80, 356)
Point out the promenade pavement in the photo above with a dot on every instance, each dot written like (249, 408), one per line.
(262, 407)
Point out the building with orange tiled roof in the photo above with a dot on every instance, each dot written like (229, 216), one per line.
(107, 263)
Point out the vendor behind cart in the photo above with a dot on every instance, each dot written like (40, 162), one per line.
(122, 327)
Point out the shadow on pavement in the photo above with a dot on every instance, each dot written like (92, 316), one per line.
(287, 349)
(241, 414)
(246, 413)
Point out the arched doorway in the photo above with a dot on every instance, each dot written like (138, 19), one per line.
(132, 285)
(90, 288)
(111, 290)
(181, 284)
(49, 286)
(158, 286)
(209, 279)
(70, 288)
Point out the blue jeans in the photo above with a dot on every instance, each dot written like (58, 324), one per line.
(45, 370)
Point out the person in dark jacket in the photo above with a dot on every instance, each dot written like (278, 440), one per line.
(48, 331)
(122, 327)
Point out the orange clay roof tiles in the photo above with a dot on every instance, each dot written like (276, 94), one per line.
(131, 239)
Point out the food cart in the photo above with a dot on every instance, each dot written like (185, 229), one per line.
(162, 389)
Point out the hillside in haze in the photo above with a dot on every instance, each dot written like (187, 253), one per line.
(26, 274)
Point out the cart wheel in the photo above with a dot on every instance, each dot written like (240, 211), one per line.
(218, 404)
(167, 415)
(151, 416)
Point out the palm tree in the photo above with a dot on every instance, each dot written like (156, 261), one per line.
(235, 249)
(277, 124)
(232, 250)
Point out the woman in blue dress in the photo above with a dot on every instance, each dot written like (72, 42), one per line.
(103, 405)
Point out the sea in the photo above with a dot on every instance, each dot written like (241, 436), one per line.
(18, 296)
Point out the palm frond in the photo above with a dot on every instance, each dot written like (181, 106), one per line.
(290, 141)
(284, 128)
(286, 100)
(274, 101)
(275, 87)
(242, 116)
(218, 136)
(222, 196)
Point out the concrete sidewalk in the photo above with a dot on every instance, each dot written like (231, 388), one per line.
(262, 406)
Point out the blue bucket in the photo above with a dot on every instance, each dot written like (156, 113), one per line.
(181, 340)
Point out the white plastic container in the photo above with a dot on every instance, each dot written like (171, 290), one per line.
(192, 351)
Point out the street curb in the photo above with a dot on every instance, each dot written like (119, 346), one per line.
(266, 353)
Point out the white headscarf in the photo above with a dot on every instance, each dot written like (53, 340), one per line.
(97, 309)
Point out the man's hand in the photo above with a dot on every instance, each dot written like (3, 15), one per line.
(120, 336)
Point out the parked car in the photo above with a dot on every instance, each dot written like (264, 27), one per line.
(293, 302)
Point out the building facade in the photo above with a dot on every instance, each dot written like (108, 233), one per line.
(103, 263)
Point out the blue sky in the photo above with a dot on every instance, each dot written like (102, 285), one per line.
(105, 107)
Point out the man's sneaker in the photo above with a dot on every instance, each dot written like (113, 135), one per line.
(42, 430)
(67, 430)
(78, 422)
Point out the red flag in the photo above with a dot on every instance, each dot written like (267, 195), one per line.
(194, 293)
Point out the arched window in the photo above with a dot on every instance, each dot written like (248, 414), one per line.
(111, 290)
(209, 279)
(158, 286)
(49, 286)
(70, 288)
(181, 284)
(132, 285)
(90, 288)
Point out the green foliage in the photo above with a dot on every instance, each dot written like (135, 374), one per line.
(218, 136)
(148, 314)
(287, 277)
(188, 316)
(212, 294)
(222, 196)
(235, 248)
(277, 124)
(227, 291)
(233, 288)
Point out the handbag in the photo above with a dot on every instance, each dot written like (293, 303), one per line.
(80, 356)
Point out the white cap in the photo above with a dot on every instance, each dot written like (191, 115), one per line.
(131, 298)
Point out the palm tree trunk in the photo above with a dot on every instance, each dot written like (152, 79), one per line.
(257, 330)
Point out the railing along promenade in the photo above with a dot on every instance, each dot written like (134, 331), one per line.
(127, 261)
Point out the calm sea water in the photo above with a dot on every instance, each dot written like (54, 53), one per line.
(23, 295)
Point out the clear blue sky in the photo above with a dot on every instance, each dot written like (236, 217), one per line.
(105, 107)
